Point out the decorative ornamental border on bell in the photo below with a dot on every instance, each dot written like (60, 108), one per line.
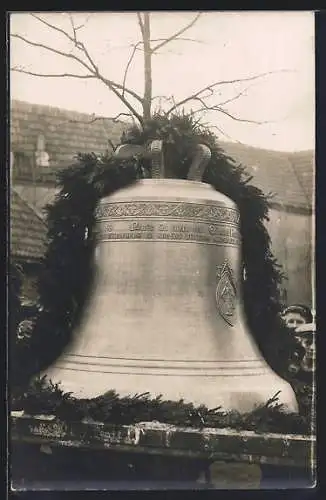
(166, 313)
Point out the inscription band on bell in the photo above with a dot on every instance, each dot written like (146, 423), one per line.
(155, 221)
(160, 230)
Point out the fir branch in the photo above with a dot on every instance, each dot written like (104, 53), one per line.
(44, 397)
(63, 289)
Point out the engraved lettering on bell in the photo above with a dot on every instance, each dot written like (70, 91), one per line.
(226, 293)
(158, 244)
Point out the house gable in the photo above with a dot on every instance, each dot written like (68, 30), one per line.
(27, 230)
(288, 176)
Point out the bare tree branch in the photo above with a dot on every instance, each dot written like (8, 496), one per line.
(53, 50)
(177, 34)
(119, 86)
(243, 120)
(80, 45)
(128, 65)
(116, 118)
(99, 118)
(234, 98)
(53, 27)
(123, 93)
(95, 119)
(209, 88)
(141, 49)
(60, 30)
(181, 39)
(92, 70)
(72, 75)
(141, 23)
(219, 129)
(148, 86)
(215, 107)
(222, 131)
(108, 83)
(90, 14)
(166, 98)
(112, 86)
(76, 28)
(161, 98)
(230, 115)
(51, 75)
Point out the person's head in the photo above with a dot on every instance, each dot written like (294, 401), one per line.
(296, 315)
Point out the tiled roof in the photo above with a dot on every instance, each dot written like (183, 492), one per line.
(28, 230)
(288, 175)
(66, 133)
(36, 196)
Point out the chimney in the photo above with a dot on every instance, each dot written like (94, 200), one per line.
(41, 156)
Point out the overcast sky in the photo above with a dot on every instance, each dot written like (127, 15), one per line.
(228, 45)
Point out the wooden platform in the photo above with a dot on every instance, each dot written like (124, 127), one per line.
(151, 452)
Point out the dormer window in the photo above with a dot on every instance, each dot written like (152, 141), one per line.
(41, 156)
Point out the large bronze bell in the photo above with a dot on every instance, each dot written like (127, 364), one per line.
(166, 313)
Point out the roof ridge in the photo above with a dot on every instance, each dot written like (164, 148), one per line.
(30, 207)
(280, 172)
(99, 116)
(272, 151)
(63, 110)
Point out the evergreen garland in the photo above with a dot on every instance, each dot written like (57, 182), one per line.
(66, 273)
(66, 277)
(44, 397)
(181, 133)
(15, 286)
(15, 307)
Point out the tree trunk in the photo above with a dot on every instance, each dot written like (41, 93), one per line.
(147, 68)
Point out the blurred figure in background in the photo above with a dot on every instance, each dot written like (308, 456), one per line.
(306, 336)
(296, 315)
(300, 320)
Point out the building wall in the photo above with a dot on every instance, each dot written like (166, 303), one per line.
(288, 176)
(291, 235)
(29, 293)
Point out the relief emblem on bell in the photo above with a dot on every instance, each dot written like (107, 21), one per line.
(226, 294)
(154, 324)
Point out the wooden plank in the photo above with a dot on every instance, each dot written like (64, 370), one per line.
(162, 439)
